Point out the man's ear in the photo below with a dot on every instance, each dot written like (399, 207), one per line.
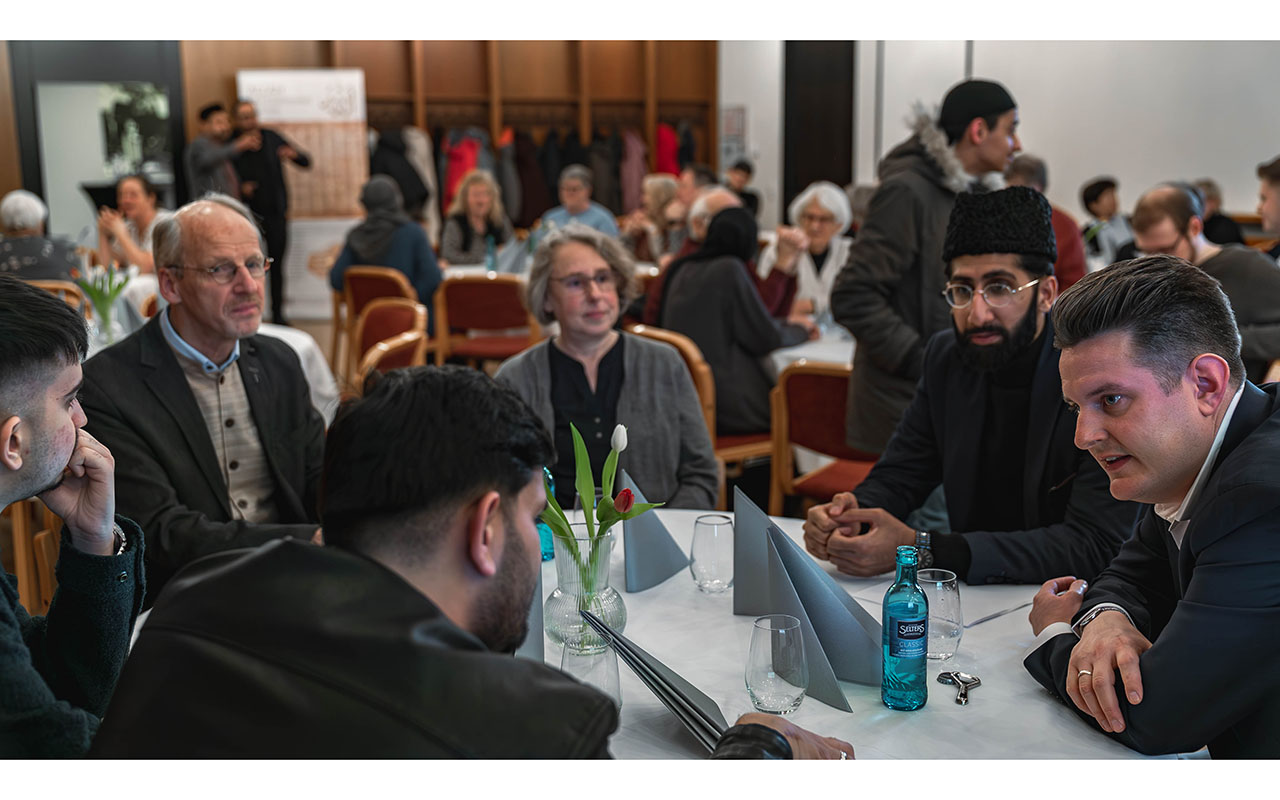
(1195, 227)
(484, 521)
(168, 285)
(11, 443)
(1048, 293)
(977, 130)
(1212, 377)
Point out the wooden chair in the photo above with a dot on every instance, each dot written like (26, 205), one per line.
(151, 306)
(808, 406)
(382, 319)
(492, 304)
(408, 349)
(1273, 372)
(46, 553)
(21, 516)
(361, 284)
(732, 451)
(71, 294)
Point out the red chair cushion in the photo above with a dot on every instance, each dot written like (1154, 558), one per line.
(366, 288)
(816, 415)
(383, 323)
(490, 347)
(839, 476)
(737, 439)
(484, 306)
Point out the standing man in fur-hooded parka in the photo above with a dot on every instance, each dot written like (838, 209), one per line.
(889, 294)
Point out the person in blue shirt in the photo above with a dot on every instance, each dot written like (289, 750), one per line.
(389, 238)
(576, 206)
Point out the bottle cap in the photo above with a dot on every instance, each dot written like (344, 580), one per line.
(907, 554)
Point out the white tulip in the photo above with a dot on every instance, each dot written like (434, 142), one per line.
(619, 440)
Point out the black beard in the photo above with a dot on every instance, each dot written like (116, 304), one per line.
(502, 614)
(994, 357)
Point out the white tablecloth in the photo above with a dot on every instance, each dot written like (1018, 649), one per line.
(698, 636)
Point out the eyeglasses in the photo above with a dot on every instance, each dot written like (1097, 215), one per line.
(578, 283)
(996, 295)
(226, 272)
(817, 219)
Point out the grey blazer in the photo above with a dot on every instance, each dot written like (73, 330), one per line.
(669, 453)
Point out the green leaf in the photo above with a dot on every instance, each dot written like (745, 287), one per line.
(610, 470)
(554, 516)
(583, 481)
(638, 509)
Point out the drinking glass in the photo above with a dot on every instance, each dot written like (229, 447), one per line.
(598, 669)
(777, 674)
(711, 556)
(946, 623)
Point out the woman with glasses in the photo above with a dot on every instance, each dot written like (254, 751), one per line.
(388, 238)
(594, 376)
(814, 248)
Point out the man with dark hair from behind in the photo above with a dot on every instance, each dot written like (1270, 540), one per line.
(1269, 201)
(1028, 170)
(1107, 234)
(988, 422)
(57, 671)
(209, 155)
(1168, 220)
(1184, 618)
(394, 639)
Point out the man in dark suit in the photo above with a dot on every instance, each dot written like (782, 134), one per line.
(262, 186)
(988, 422)
(1168, 220)
(217, 443)
(1185, 617)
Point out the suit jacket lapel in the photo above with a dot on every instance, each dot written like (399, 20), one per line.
(257, 387)
(1042, 422)
(165, 379)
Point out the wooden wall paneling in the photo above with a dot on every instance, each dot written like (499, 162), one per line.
(683, 72)
(651, 101)
(455, 71)
(538, 71)
(415, 81)
(493, 73)
(10, 160)
(385, 65)
(209, 68)
(713, 105)
(616, 70)
(584, 94)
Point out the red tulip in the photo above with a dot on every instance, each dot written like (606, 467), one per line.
(624, 501)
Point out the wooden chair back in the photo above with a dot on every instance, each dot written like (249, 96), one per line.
(703, 381)
(46, 553)
(151, 306)
(70, 292)
(408, 349)
(360, 285)
(382, 319)
(491, 302)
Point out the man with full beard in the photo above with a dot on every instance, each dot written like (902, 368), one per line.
(988, 422)
(56, 671)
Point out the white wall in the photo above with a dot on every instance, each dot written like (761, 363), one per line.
(751, 76)
(1143, 112)
(73, 152)
(1140, 111)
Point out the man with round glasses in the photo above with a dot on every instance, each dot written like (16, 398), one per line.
(212, 426)
(988, 422)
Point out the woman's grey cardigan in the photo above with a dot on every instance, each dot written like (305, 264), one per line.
(669, 453)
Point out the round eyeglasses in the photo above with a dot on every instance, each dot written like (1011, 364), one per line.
(226, 272)
(996, 295)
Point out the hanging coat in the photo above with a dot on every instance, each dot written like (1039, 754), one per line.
(535, 196)
(632, 170)
(508, 176)
(667, 147)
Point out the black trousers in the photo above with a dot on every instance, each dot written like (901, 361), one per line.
(275, 229)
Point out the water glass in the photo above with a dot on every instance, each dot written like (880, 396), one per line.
(946, 623)
(777, 674)
(598, 669)
(711, 556)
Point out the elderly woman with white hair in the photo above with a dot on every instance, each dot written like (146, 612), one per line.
(25, 252)
(815, 249)
(595, 376)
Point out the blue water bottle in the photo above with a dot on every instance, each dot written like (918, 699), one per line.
(905, 638)
(545, 536)
(490, 255)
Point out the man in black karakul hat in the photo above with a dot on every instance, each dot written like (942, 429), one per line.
(988, 422)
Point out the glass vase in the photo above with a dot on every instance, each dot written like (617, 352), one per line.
(582, 583)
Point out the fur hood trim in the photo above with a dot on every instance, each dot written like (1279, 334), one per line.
(922, 122)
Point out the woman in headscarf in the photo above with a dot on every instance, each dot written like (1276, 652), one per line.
(388, 238)
(709, 297)
(814, 248)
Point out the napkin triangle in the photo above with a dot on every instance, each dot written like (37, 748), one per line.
(651, 555)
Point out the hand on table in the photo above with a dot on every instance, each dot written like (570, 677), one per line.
(804, 744)
(1108, 643)
(1057, 601)
(824, 520)
(874, 552)
(805, 321)
(85, 499)
(318, 537)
